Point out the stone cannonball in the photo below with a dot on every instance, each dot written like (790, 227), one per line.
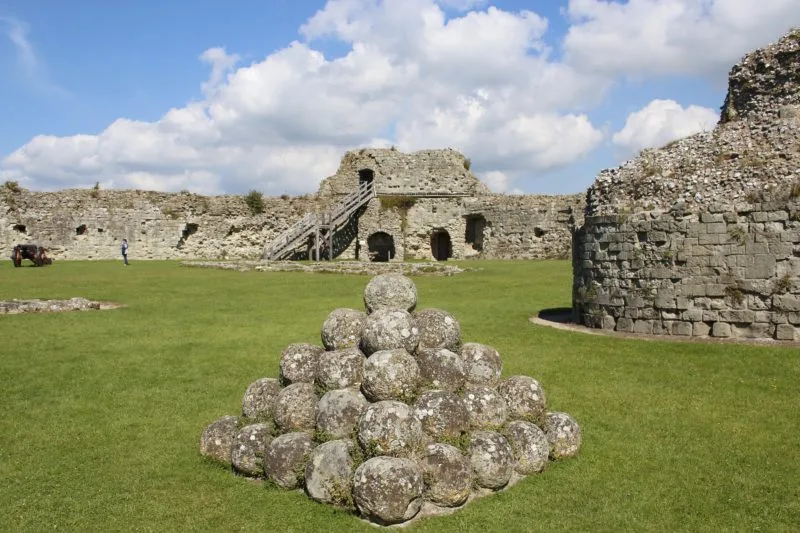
(390, 375)
(441, 369)
(443, 414)
(524, 397)
(342, 329)
(530, 446)
(486, 408)
(438, 329)
(483, 363)
(338, 412)
(491, 459)
(286, 459)
(447, 475)
(389, 329)
(260, 397)
(299, 363)
(295, 409)
(563, 434)
(389, 427)
(388, 490)
(329, 473)
(340, 369)
(249, 447)
(393, 291)
(217, 438)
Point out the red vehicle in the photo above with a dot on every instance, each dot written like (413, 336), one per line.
(34, 252)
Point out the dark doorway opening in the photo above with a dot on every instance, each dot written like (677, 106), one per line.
(365, 175)
(441, 246)
(381, 247)
(474, 233)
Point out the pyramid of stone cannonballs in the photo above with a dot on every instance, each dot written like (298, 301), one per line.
(392, 417)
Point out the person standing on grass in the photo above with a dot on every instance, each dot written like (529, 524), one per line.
(124, 250)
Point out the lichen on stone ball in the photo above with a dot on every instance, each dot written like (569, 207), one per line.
(342, 329)
(438, 329)
(390, 291)
(389, 329)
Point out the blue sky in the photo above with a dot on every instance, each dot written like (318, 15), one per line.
(540, 95)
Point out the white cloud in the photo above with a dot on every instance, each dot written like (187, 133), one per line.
(660, 122)
(659, 37)
(31, 66)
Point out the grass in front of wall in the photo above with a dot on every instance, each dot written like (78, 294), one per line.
(102, 410)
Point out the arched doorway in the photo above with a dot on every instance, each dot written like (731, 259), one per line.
(441, 246)
(381, 247)
(365, 175)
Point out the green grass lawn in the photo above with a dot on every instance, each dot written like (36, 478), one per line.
(102, 411)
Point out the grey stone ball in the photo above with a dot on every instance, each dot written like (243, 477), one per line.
(249, 447)
(393, 291)
(563, 434)
(295, 409)
(389, 329)
(338, 412)
(388, 490)
(329, 473)
(524, 397)
(286, 459)
(447, 475)
(441, 368)
(389, 427)
(260, 397)
(443, 414)
(340, 369)
(486, 408)
(217, 438)
(438, 329)
(390, 375)
(491, 459)
(483, 363)
(530, 446)
(342, 329)
(299, 363)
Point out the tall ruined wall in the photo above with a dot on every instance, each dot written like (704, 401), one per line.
(701, 236)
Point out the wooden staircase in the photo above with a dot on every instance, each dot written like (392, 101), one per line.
(314, 232)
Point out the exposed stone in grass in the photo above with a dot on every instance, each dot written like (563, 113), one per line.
(390, 291)
(329, 473)
(524, 397)
(443, 414)
(486, 408)
(441, 368)
(249, 447)
(338, 412)
(340, 369)
(217, 438)
(286, 459)
(260, 397)
(299, 363)
(447, 475)
(389, 329)
(14, 307)
(390, 375)
(530, 445)
(491, 459)
(295, 408)
(389, 427)
(563, 434)
(438, 329)
(342, 329)
(483, 363)
(388, 490)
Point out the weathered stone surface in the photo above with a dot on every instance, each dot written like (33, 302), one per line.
(389, 329)
(491, 459)
(329, 473)
(389, 427)
(524, 397)
(342, 329)
(390, 291)
(485, 406)
(563, 434)
(438, 329)
(388, 490)
(338, 412)
(443, 414)
(390, 375)
(483, 363)
(530, 445)
(260, 397)
(340, 369)
(15, 307)
(217, 438)
(440, 368)
(249, 447)
(447, 474)
(286, 459)
(295, 408)
(299, 363)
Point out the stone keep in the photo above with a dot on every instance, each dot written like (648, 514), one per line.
(393, 417)
(702, 237)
